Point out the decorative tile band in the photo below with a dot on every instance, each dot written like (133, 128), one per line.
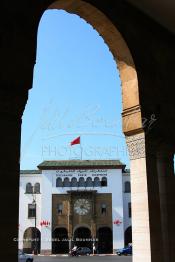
(136, 146)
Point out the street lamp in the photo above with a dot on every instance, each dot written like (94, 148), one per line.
(35, 230)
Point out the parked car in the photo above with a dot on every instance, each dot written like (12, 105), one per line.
(125, 251)
(81, 251)
(22, 257)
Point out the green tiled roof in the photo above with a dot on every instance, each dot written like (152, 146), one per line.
(79, 163)
(26, 172)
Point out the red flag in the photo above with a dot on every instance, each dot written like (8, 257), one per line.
(75, 141)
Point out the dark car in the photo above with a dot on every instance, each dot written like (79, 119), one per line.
(22, 257)
(125, 251)
(83, 251)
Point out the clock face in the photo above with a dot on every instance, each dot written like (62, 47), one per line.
(82, 206)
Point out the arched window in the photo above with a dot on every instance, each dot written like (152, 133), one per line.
(60, 208)
(89, 182)
(104, 181)
(97, 182)
(59, 182)
(66, 182)
(127, 187)
(37, 188)
(74, 182)
(29, 189)
(103, 208)
(129, 210)
(81, 182)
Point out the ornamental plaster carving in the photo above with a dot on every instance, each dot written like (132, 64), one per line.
(136, 146)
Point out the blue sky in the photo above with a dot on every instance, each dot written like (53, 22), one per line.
(76, 91)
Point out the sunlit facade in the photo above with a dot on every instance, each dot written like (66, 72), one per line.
(80, 202)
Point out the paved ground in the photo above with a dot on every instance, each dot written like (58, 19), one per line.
(84, 259)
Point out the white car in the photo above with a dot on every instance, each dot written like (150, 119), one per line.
(22, 257)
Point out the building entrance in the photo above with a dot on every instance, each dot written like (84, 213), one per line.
(31, 240)
(82, 237)
(60, 243)
(105, 240)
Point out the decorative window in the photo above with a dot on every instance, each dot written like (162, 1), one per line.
(97, 182)
(59, 182)
(29, 188)
(103, 208)
(104, 181)
(74, 182)
(129, 209)
(60, 208)
(37, 188)
(127, 187)
(89, 182)
(81, 182)
(66, 182)
(31, 210)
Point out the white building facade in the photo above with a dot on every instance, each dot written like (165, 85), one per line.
(82, 202)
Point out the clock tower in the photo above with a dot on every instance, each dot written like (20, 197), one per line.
(84, 213)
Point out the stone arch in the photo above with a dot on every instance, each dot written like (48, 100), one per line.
(81, 182)
(74, 182)
(59, 182)
(128, 235)
(83, 236)
(37, 188)
(81, 225)
(89, 182)
(31, 240)
(104, 181)
(97, 182)
(66, 182)
(60, 245)
(29, 188)
(130, 93)
(127, 187)
(105, 240)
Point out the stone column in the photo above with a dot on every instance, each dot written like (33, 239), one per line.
(11, 109)
(165, 167)
(146, 224)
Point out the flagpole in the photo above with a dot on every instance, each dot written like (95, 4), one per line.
(81, 148)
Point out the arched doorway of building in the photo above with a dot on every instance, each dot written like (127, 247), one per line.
(105, 240)
(82, 237)
(31, 240)
(61, 243)
(128, 235)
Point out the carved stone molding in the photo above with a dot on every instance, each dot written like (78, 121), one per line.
(136, 146)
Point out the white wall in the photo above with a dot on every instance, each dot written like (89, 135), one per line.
(46, 212)
(24, 200)
(47, 181)
(126, 200)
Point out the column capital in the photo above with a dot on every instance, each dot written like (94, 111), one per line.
(136, 146)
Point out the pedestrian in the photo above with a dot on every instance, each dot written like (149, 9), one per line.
(74, 250)
(93, 248)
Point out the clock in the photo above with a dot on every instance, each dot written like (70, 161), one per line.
(82, 206)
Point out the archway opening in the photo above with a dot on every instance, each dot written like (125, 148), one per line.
(105, 240)
(125, 64)
(128, 236)
(31, 240)
(82, 237)
(60, 243)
